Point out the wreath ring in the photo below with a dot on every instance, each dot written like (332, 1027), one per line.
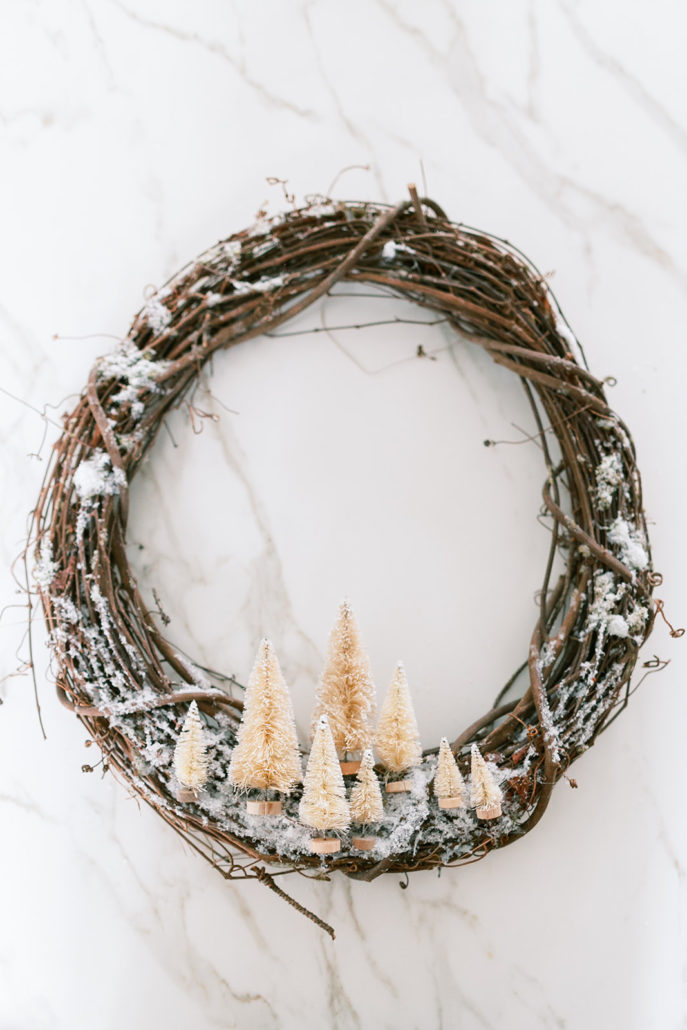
(130, 686)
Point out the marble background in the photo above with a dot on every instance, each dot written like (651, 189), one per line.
(133, 135)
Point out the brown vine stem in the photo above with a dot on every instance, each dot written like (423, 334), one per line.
(264, 877)
(675, 633)
(226, 338)
(103, 424)
(419, 213)
(602, 553)
(550, 764)
(216, 697)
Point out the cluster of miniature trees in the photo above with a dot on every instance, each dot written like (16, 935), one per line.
(267, 760)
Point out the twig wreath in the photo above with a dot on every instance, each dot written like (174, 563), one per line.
(130, 686)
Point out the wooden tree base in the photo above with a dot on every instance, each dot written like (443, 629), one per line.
(349, 768)
(324, 845)
(451, 803)
(263, 807)
(364, 843)
(493, 812)
(398, 786)
(185, 794)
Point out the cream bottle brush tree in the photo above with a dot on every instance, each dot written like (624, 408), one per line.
(190, 758)
(346, 693)
(266, 756)
(324, 805)
(449, 786)
(366, 804)
(397, 740)
(485, 793)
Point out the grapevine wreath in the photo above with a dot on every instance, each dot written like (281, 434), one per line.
(132, 688)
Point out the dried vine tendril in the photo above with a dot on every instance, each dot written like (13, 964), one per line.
(130, 686)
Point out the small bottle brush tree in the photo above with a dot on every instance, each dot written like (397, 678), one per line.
(398, 740)
(485, 793)
(367, 807)
(190, 759)
(266, 756)
(449, 786)
(346, 692)
(324, 805)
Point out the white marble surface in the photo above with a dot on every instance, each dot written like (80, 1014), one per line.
(134, 134)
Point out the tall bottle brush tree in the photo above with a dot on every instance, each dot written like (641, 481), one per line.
(266, 756)
(398, 740)
(346, 693)
(324, 805)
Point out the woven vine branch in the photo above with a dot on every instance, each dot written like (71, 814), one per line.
(129, 685)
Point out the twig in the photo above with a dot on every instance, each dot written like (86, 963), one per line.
(264, 877)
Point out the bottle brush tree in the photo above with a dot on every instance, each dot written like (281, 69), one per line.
(449, 786)
(485, 793)
(266, 756)
(190, 759)
(346, 693)
(367, 806)
(397, 740)
(324, 805)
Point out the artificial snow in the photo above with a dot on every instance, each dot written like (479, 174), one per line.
(321, 206)
(636, 621)
(617, 626)
(196, 675)
(391, 249)
(609, 475)
(231, 249)
(156, 314)
(549, 729)
(263, 285)
(548, 654)
(136, 369)
(607, 594)
(564, 330)
(66, 609)
(264, 247)
(630, 542)
(45, 569)
(95, 476)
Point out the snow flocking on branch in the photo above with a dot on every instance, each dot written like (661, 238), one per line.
(631, 542)
(45, 569)
(156, 314)
(391, 248)
(264, 285)
(609, 594)
(138, 370)
(95, 476)
(549, 728)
